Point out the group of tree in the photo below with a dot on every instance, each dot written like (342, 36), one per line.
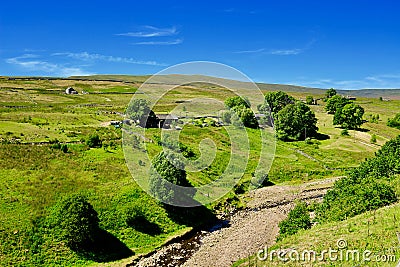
(293, 119)
(239, 112)
(346, 114)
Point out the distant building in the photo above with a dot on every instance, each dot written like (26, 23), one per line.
(71, 91)
(165, 120)
(351, 97)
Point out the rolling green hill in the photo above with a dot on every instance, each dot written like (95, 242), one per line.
(35, 114)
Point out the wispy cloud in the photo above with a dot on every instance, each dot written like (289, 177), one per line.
(32, 62)
(278, 52)
(172, 42)
(151, 31)
(381, 81)
(250, 51)
(98, 57)
(285, 52)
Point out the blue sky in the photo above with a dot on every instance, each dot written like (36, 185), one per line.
(340, 44)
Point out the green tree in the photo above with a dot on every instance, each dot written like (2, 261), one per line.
(241, 107)
(298, 218)
(309, 100)
(168, 170)
(395, 122)
(295, 122)
(336, 102)
(247, 116)
(139, 111)
(236, 101)
(275, 101)
(77, 221)
(330, 93)
(349, 117)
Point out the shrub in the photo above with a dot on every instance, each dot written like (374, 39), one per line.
(373, 139)
(365, 188)
(298, 218)
(395, 122)
(344, 132)
(64, 148)
(94, 141)
(309, 100)
(76, 220)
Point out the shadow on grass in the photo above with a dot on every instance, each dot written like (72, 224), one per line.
(141, 224)
(321, 136)
(104, 248)
(196, 217)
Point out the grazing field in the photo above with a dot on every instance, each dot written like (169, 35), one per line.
(36, 115)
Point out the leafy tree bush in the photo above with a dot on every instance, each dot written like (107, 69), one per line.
(241, 107)
(298, 218)
(235, 101)
(336, 102)
(247, 117)
(344, 132)
(93, 141)
(226, 117)
(275, 101)
(373, 139)
(295, 121)
(365, 188)
(395, 122)
(76, 220)
(260, 178)
(349, 117)
(139, 111)
(64, 148)
(309, 100)
(168, 168)
(330, 93)
(351, 196)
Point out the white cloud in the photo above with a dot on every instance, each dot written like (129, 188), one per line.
(250, 51)
(173, 42)
(151, 31)
(286, 52)
(98, 57)
(32, 62)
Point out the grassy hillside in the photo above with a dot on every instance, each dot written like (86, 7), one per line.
(34, 113)
(375, 231)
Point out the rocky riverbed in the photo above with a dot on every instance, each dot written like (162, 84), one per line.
(240, 234)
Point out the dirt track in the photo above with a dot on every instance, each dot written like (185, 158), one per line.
(248, 231)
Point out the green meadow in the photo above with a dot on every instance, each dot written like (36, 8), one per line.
(35, 114)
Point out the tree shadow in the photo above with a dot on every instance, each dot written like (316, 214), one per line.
(362, 130)
(196, 217)
(321, 136)
(104, 247)
(142, 224)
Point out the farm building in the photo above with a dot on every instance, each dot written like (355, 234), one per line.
(165, 120)
(71, 91)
